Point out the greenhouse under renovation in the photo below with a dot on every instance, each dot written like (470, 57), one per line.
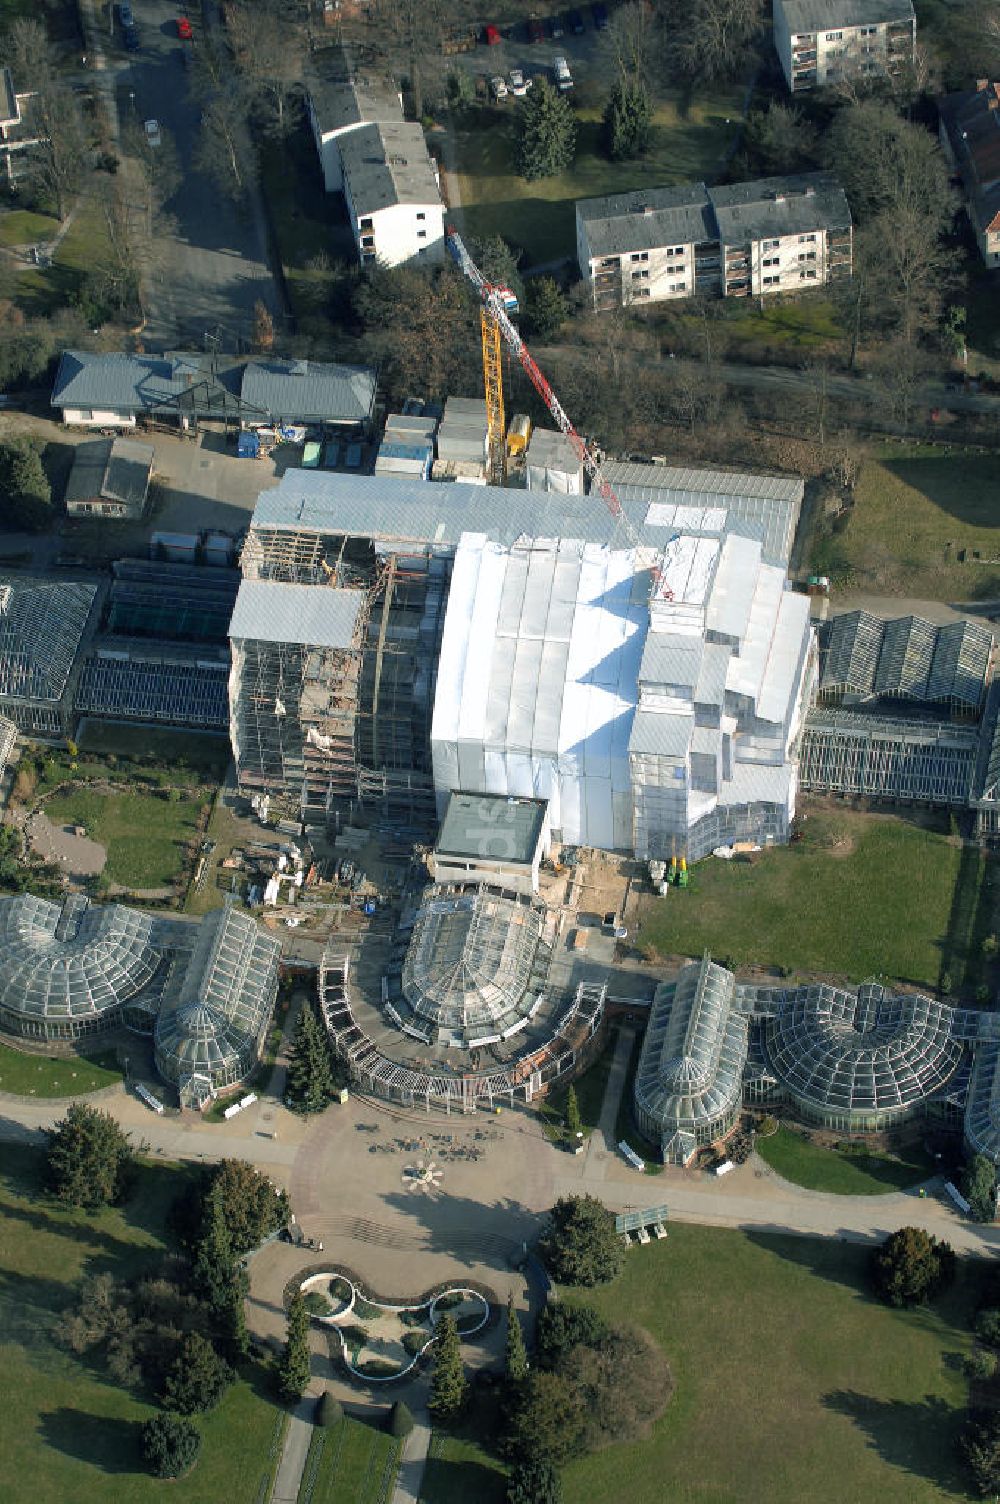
(73, 968)
(856, 1061)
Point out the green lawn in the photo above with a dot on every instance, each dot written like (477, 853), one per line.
(350, 1463)
(807, 324)
(687, 144)
(144, 834)
(916, 509)
(205, 754)
(67, 1435)
(589, 1095)
(858, 896)
(792, 1383)
(42, 1076)
(21, 227)
(845, 1174)
(41, 291)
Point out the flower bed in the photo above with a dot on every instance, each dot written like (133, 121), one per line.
(382, 1341)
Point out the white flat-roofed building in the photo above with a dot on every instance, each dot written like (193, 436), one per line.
(781, 234)
(338, 107)
(393, 195)
(820, 42)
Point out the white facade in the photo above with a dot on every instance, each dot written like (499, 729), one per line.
(92, 417)
(664, 725)
(820, 42)
(392, 192)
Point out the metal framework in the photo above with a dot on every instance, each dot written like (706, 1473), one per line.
(41, 628)
(522, 1079)
(930, 762)
(496, 427)
(141, 681)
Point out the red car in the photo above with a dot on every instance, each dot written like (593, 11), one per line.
(184, 29)
(493, 37)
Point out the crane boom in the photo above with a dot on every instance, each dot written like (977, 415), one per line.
(492, 300)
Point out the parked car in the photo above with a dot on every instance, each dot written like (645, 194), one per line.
(600, 15)
(125, 15)
(560, 72)
(153, 137)
(493, 37)
(130, 36)
(498, 88)
(536, 31)
(184, 29)
(519, 85)
(556, 27)
(577, 25)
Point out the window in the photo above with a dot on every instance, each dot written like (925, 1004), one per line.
(642, 292)
(807, 256)
(367, 257)
(675, 250)
(808, 275)
(640, 276)
(771, 260)
(367, 241)
(366, 224)
(640, 256)
(421, 234)
(770, 281)
(769, 245)
(869, 31)
(835, 36)
(806, 239)
(421, 214)
(677, 287)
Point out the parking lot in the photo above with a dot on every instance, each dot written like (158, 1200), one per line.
(588, 53)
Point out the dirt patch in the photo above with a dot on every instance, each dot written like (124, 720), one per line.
(77, 856)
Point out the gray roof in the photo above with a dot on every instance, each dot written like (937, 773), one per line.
(825, 15)
(689, 482)
(791, 205)
(208, 386)
(41, 625)
(112, 470)
(670, 658)
(310, 391)
(711, 686)
(491, 826)
(341, 103)
(267, 611)
(661, 733)
(646, 219)
(387, 164)
(399, 509)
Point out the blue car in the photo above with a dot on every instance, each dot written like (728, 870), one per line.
(130, 36)
(125, 16)
(600, 15)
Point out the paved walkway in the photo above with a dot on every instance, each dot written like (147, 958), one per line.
(412, 1463)
(294, 1453)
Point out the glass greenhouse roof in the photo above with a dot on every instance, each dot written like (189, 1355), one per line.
(691, 1067)
(69, 960)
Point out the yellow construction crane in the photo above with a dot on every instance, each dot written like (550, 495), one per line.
(496, 428)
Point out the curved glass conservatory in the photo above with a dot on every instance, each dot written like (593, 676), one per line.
(861, 1062)
(689, 1084)
(66, 969)
(476, 966)
(215, 1011)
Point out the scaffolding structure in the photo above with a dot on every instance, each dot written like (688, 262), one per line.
(360, 736)
(521, 1079)
(846, 752)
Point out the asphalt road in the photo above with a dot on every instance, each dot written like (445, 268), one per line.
(211, 272)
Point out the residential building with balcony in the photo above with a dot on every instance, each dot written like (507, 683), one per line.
(969, 126)
(392, 192)
(741, 240)
(820, 42)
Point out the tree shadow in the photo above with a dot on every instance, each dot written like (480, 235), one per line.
(838, 1258)
(470, 1231)
(918, 1437)
(107, 1443)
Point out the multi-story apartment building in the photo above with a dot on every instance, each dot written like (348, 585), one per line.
(392, 193)
(344, 105)
(820, 42)
(970, 138)
(742, 240)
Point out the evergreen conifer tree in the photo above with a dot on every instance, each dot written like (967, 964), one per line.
(573, 1122)
(547, 141)
(627, 119)
(515, 1356)
(309, 1084)
(294, 1367)
(449, 1388)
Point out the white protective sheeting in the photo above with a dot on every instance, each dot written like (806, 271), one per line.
(537, 682)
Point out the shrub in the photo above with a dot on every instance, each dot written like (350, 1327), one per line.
(340, 1289)
(170, 1445)
(414, 1341)
(579, 1245)
(198, 1377)
(981, 1364)
(377, 1368)
(987, 1325)
(400, 1420)
(329, 1411)
(911, 1266)
(448, 1302)
(981, 1448)
(364, 1309)
(317, 1304)
(534, 1480)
